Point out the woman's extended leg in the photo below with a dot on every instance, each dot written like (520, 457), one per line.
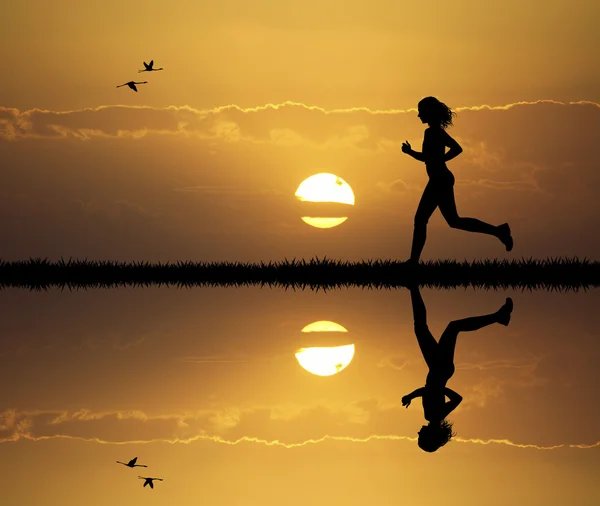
(427, 205)
(448, 209)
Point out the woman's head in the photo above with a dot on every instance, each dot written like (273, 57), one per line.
(433, 437)
(434, 112)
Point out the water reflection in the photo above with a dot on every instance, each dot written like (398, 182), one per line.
(439, 357)
(101, 376)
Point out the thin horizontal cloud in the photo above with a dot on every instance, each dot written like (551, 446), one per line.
(289, 426)
(285, 123)
(499, 364)
(281, 444)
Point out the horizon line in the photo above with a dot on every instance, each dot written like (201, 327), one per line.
(561, 273)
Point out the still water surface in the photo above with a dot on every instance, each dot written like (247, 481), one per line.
(205, 387)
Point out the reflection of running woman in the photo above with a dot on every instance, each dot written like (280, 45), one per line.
(440, 188)
(439, 357)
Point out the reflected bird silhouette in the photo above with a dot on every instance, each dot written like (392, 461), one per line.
(131, 463)
(132, 84)
(148, 67)
(149, 480)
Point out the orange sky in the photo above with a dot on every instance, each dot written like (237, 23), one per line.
(203, 163)
(334, 53)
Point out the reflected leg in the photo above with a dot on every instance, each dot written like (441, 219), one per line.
(426, 341)
(447, 343)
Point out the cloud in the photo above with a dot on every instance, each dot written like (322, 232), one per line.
(490, 384)
(396, 186)
(397, 362)
(137, 427)
(287, 124)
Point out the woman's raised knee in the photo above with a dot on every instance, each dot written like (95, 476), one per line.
(454, 221)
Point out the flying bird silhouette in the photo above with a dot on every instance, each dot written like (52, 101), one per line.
(148, 67)
(131, 463)
(132, 84)
(149, 480)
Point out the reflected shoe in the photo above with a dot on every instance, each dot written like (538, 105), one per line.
(505, 237)
(505, 311)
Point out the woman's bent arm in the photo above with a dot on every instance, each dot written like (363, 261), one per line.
(453, 153)
(417, 155)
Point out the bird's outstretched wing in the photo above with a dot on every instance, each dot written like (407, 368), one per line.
(133, 87)
(146, 65)
(151, 63)
(133, 461)
(151, 484)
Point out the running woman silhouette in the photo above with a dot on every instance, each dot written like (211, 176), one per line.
(440, 188)
(439, 356)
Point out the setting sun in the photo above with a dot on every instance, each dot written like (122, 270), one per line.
(325, 187)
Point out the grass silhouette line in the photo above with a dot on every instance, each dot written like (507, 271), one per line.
(562, 274)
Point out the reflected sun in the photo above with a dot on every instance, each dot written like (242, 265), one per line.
(325, 187)
(325, 361)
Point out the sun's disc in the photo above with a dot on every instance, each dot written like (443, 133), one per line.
(325, 361)
(325, 187)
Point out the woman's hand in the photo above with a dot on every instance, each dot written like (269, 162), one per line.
(406, 400)
(406, 147)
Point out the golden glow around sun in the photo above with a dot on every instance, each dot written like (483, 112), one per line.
(325, 187)
(325, 361)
